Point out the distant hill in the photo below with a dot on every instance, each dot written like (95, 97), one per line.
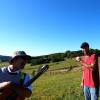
(4, 58)
(56, 57)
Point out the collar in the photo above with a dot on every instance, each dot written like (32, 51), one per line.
(9, 70)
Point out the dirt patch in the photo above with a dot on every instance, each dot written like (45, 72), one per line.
(64, 70)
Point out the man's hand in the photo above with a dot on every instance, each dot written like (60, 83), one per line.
(82, 84)
(78, 59)
(92, 66)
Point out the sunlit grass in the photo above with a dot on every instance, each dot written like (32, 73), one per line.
(56, 86)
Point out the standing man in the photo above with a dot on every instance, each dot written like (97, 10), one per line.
(90, 80)
(12, 80)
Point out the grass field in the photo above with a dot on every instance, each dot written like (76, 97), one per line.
(56, 84)
(58, 87)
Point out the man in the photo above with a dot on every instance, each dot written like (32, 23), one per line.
(12, 80)
(90, 80)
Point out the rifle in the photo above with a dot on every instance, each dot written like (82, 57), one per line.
(10, 95)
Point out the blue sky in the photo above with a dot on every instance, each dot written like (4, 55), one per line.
(42, 27)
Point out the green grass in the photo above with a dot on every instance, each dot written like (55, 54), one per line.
(57, 86)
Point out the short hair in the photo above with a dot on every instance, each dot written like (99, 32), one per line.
(84, 44)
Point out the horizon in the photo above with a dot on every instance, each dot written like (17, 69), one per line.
(49, 53)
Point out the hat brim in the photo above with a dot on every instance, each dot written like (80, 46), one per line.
(27, 57)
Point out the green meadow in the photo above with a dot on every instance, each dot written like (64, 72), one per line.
(60, 82)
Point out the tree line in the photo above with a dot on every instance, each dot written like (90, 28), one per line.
(56, 57)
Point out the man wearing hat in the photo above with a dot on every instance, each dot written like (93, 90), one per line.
(12, 80)
(90, 80)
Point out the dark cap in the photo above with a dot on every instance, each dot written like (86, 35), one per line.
(84, 44)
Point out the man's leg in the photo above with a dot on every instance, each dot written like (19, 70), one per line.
(94, 93)
(87, 93)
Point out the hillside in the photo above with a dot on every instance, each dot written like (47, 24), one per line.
(60, 82)
(4, 58)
